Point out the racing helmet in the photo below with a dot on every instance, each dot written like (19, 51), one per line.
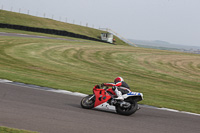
(118, 79)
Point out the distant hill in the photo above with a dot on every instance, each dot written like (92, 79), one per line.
(163, 45)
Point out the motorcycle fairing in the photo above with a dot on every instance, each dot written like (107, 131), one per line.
(101, 96)
(110, 90)
(134, 94)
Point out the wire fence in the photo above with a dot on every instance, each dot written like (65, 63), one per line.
(60, 19)
(50, 16)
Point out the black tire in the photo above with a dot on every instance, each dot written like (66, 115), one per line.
(127, 111)
(86, 103)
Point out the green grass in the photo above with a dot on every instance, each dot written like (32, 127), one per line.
(28, 20)
(167, 79)
(12, 130)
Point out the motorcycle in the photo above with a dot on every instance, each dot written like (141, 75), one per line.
(104, 94)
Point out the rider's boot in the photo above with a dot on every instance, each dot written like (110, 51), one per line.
(119, 95)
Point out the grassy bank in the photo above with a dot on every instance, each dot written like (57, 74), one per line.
(167, 79)
(32, 21)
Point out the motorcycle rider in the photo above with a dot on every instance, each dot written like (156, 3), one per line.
(119, 87)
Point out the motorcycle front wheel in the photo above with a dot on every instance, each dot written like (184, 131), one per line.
(127, 111)
(88, 102)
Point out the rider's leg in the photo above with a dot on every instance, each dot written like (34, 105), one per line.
(118, 93)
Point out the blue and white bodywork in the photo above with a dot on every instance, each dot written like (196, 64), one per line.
(137, 96)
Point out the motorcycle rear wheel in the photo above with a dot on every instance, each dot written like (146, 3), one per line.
(86, 103)
(127, 111)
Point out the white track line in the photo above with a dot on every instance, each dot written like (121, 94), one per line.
(5, 81)
(103, 106)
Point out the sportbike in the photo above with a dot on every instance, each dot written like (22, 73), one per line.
(104, 94)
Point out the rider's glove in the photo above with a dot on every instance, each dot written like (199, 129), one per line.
(102, 85)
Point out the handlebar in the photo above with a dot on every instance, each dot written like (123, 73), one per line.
(101, 87)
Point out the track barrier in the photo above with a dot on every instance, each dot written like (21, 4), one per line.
(48, 31)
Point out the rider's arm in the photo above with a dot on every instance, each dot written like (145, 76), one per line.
(118, 84)
(113, 84)
(109, 84)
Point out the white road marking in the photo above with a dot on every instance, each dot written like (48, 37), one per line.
(68, 92)
(4, 81)
(173, 110)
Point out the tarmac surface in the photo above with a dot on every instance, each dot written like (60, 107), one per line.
(30, 108)
(34, 36)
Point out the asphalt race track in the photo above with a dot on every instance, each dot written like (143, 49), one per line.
(30, 108)
(33, 36)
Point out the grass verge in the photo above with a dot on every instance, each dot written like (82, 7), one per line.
(12, 130)
(167, 79)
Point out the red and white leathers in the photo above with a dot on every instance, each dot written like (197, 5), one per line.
(119, 87)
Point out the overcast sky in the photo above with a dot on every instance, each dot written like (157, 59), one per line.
(175, 21)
